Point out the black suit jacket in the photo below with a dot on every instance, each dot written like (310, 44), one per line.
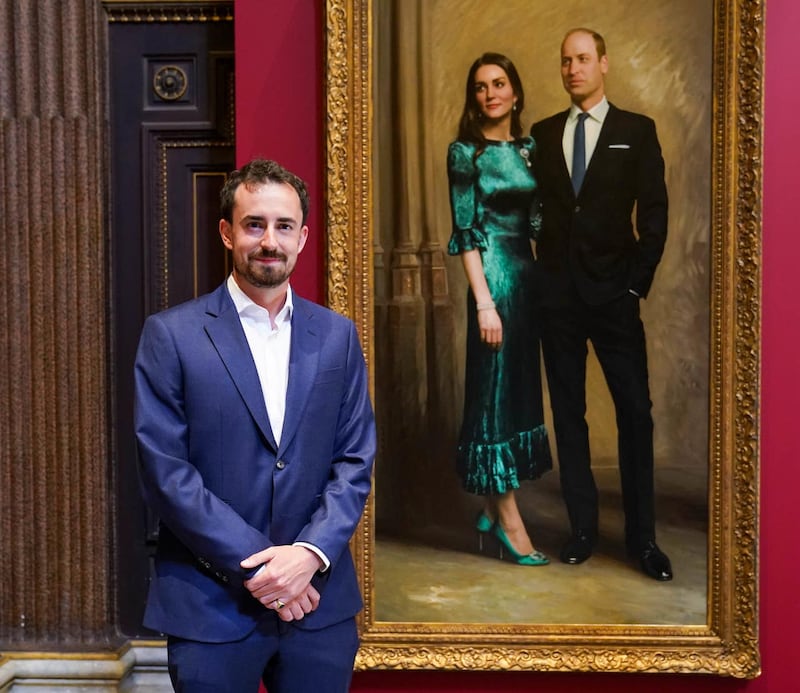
(590, 239)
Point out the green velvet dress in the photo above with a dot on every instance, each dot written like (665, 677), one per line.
(495, 210)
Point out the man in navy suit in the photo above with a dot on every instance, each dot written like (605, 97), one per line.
(595, 165)
(256, 441)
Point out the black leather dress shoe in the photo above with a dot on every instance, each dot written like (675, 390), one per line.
(578, 548)
(655, 563)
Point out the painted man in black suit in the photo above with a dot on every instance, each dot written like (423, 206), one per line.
(597, 266)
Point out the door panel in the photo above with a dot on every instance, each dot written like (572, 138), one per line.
(172, 119)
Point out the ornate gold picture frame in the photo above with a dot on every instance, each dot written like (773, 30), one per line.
(726, 643)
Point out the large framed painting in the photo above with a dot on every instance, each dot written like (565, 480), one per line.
(436, 595)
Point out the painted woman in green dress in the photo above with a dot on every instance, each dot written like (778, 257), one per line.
(495, 215)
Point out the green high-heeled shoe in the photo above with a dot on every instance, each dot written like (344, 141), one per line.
(531, 559)
(483, 525)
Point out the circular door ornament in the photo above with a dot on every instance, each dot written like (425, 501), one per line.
(170, 83)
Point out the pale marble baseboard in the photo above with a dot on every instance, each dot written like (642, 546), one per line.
(137, 667)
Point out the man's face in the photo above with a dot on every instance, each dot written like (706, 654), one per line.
(266, 234)
(581, 70)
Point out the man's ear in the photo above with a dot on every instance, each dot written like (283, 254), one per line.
(303, 239)
(225, 233)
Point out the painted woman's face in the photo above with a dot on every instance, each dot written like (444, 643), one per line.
(493, 92)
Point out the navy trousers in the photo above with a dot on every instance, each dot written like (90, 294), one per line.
(286, 658)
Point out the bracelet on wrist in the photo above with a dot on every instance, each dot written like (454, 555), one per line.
(485, 306)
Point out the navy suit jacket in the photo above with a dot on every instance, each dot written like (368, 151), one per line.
(222, 488)
(589, 238)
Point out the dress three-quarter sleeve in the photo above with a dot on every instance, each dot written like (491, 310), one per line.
(462, 177)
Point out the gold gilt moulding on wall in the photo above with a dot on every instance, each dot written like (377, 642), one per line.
(395, 81)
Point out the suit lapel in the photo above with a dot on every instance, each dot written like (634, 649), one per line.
(226, 333)
(560, 170)
(303, 365)
(607, 134)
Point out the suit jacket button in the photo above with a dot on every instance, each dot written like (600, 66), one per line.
(280, 464)
(577, 208)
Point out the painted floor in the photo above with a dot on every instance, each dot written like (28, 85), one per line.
(440, 576)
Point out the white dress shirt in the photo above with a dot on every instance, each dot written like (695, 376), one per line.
(592, 126)
(270, 345)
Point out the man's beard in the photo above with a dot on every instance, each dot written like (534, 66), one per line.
(265, 276)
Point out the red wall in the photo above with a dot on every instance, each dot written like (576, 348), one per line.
(279, 71)
(280, 107)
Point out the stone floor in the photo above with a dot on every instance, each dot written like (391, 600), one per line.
(441, 576)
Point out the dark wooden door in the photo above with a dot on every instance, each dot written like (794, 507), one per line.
(172, 121)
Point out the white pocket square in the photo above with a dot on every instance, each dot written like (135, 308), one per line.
(619, 146)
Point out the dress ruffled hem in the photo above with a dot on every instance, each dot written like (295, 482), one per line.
(496, 468)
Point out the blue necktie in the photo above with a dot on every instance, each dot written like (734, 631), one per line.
(579, 153)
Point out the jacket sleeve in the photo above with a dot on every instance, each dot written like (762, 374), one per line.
(172, 486)
(332, 524)
(651, 210)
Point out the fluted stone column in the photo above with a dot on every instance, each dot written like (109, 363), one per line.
(56, 516)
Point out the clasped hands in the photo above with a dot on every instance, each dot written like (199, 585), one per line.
(284, 581)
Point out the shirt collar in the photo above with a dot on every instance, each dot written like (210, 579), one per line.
(597, 112)
(246, 306)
